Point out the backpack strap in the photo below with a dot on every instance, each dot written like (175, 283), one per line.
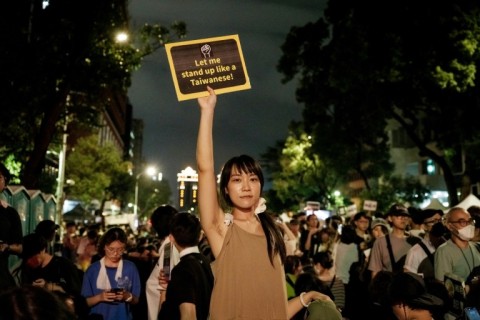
(429, 254)
(290, 281)
(390, 251)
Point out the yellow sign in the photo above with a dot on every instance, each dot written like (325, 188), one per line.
(215, 62)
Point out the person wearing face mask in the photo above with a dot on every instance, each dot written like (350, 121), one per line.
(422, 252)
(458, 255)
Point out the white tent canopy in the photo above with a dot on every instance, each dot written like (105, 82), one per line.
(470, 200)
(435, 204)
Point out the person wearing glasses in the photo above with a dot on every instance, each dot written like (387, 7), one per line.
(425, 249)
(112, 284)
(389, 252)
(458, 255)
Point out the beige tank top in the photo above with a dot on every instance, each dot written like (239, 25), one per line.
(247, 286)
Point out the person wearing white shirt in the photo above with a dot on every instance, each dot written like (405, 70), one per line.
(160, 220)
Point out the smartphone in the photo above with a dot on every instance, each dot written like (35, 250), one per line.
(116, 290)
(166, 272)
(471, 313)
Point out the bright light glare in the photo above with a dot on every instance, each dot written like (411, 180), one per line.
(121, 37)
(151, 171)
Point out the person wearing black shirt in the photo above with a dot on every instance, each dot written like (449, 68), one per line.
(190, 288)
(54, 273)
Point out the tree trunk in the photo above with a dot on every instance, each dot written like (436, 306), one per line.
(36, 161)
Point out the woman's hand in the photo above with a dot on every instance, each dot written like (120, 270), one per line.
(110, 296)
(163, 280)
(315, 295)
(39, 283)
(209, 101)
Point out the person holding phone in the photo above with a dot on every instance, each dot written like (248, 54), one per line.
(112, 284)
(191, 282)
(168, 258)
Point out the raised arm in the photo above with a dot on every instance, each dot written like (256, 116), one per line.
(211, 215)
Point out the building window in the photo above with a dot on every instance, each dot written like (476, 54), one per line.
(400, 139)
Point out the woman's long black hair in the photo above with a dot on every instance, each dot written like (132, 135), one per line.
(246, 164)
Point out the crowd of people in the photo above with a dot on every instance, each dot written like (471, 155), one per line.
(237, 260)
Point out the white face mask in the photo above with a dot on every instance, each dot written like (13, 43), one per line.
(467, 233)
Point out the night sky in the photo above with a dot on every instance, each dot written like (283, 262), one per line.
(246, 122)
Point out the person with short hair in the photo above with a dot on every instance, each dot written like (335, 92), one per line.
(458, 255)
(54, 273)
(361, 222)
(410, 298)
(48, 230)
(190, 287)
(112, 284)
(475, 213)
(160, 220)
(293, 268)
(425, 249)
(33, 303)
(389, 252)
(40, 268)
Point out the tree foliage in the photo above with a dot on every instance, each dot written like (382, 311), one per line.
(152, 194)
(298, 175)
(66, 50)
(97, 172)
(366, 64)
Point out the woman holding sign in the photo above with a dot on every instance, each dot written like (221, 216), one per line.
(249, 249)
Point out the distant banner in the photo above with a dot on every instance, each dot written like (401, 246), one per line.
(216, 62)
(370, 205)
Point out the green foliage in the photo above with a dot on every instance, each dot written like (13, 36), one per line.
(65, 51)
(13, 167)
(152, 195)
(297, 174)
(96, 171)
(369, 64)
(397, 189)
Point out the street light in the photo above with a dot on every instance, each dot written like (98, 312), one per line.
(151, 172)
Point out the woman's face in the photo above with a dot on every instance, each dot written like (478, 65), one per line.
(377, 232)
(244, 189)
(362, 224)
(114, 251)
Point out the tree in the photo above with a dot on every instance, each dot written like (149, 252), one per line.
(65, 50)
(369, 63)
(297, 174)
(154, 194)
(97, 172)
